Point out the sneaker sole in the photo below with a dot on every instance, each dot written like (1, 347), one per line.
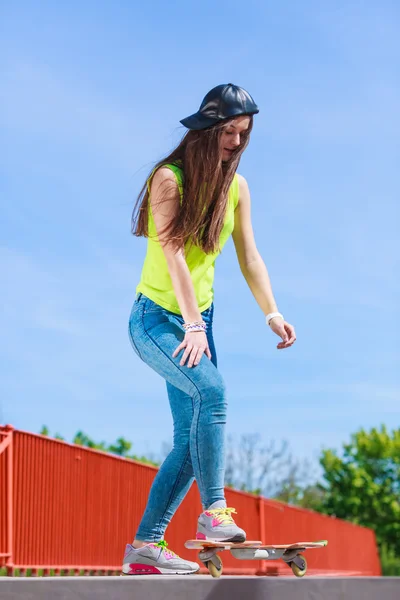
(236, 539)
(142, 569)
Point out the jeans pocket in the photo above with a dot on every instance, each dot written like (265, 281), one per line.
(150, 307)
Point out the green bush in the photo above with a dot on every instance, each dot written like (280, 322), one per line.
(390, 562)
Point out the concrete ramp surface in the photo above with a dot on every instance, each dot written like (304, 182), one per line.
(199, 587)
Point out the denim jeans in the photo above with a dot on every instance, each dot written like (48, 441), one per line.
(197, 398)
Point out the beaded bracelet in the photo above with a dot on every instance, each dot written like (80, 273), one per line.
(195, 326)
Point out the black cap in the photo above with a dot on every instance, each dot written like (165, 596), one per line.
(224, 101)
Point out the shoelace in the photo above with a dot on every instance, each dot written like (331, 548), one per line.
(223, 514)
(163, 544)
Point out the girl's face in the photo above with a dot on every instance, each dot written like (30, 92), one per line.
(231, 136)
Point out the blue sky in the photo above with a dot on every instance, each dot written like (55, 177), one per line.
(92, 94)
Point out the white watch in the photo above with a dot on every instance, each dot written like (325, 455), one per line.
(270, 316)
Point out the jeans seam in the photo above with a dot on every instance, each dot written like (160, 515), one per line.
(192, 382)
(197, 442)
(135, 348)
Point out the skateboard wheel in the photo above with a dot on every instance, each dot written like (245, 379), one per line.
(299, 571)
(213, 569)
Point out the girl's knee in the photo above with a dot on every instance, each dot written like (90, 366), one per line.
(214, 395)
(217, 389)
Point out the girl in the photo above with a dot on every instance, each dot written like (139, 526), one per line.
(189, 206)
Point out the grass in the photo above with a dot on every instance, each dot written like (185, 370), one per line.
(51, 573)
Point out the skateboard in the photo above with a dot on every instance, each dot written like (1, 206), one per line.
(254, 550)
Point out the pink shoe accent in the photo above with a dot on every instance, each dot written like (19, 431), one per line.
(200, 536)
(215, 521)
(139, 569)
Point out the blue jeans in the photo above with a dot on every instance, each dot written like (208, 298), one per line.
(198, 404)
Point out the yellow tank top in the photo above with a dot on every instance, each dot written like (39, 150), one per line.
(155, 282)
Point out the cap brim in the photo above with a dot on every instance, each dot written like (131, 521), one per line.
(199, 121)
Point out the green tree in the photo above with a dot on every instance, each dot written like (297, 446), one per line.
(145, 460)
(390, 562)
(309, 496)
(121, 447)
(363, 485)
(82, 439)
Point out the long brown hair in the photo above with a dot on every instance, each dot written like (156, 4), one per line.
(206, 183)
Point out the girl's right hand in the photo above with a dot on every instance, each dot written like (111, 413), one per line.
(195, 344)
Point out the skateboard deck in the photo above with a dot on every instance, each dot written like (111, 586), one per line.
(199, 544)
(297, 545)
(254, 550)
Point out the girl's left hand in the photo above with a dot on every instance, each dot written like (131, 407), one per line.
(285, 331)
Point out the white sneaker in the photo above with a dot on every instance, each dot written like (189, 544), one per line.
(156, 559)
(216, 525)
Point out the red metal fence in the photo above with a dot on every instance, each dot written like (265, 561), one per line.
(64, 506)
